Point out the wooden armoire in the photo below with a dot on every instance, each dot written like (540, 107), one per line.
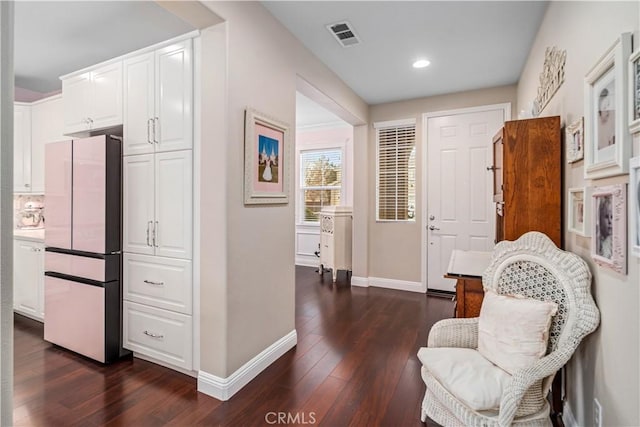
(527, 178)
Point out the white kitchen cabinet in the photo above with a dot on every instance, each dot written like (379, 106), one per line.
(158, 100)
(28, 278)
(46, 126)
(21, 147)
(158, 204)
(335, 239)
(93, 99)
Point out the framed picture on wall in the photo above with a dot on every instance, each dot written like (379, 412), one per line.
(579, 211)
(634, 98)
(609, 229)
(634, 205)
(267, 163)
(607, 138)
(574, 138)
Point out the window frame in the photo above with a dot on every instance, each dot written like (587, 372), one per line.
(390, 125)
(301, 188)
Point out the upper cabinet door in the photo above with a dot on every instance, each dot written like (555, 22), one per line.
(174, 204)
(106, 96)
(139, 104)
(57, 194)
(46, 126)
(138, 203)
(22, 148)
(174, 97)
(75, 102)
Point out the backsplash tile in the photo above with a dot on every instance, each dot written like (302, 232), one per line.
(19, 200)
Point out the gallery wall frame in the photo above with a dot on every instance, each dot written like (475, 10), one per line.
(267, 159)
(579, 211)
(609, 227)
(634, 99)
(634, 206)
(607, 138)
(574, 139)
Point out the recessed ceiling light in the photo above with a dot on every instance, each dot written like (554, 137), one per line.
(421, 63)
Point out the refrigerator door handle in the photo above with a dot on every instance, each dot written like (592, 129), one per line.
(149, 131)
(148, 227)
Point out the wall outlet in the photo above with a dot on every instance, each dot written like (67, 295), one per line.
(597, 413)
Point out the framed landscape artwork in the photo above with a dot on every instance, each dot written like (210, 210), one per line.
(267, 164)
(609, 230)
(579, 211)
(606, 136)
(574, 136)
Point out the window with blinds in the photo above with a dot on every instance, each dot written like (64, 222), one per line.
(396, 172)
(320, 181)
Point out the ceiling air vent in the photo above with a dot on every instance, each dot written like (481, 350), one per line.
(343, 32)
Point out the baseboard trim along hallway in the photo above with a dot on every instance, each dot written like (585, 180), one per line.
(224, 388)
(378, 282)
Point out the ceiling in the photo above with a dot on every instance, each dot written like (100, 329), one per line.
(471, 45)
(55, 38)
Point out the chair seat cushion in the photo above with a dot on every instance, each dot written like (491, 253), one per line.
(513, 331)
(467, 375)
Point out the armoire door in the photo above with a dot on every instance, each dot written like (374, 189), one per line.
(139, 104)
(174, 204)
(138, 201)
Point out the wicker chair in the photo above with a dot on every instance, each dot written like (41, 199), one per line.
(534, 267)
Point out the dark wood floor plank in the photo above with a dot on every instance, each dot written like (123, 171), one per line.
(355, 364)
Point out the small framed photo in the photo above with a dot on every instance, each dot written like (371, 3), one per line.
(574, 136)
(634, 99)
(634, 205)
(609, 230)
(267, 164)
(579, 211)
(606, 136)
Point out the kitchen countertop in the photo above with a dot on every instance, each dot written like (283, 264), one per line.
(26, 234)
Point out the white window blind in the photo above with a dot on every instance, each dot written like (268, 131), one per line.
(321, 181)
(396, 177)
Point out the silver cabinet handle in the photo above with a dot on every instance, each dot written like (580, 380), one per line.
(149, 282)
(431, 227)
(156, 235)
(149, 131)
(155, 130)
(152, 335)
(148, 227)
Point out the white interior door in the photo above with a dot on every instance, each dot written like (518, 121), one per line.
(460, 213)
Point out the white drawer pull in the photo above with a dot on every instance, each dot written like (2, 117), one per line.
(152, 335)
(149, 282)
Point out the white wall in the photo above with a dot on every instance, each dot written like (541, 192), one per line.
(606, 366)
(247, 252)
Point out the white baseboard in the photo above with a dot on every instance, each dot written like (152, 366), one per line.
(567, 416)
(360, 281)
(401, 285)
(224, 388)
(307, 260)
(165, 364)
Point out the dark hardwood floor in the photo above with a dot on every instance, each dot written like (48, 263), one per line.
(355, 364)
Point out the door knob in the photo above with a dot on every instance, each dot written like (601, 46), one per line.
(431, 217)
(431, 227)
(491, 168)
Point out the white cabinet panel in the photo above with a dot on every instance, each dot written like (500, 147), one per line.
(174, 205)
(158, 100)
(22, 148)
(138, 201)
(162, 334)
(28, 278)
(139, 104)
(160, 282)
(174, 97)
(46, 126)
(93, 100)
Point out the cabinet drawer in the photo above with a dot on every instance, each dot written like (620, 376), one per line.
(159, 282)
(161, 334)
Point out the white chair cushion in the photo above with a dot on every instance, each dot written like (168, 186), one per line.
(467, 375)
(513, 331)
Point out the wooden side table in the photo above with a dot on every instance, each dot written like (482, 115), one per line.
(469, 295)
